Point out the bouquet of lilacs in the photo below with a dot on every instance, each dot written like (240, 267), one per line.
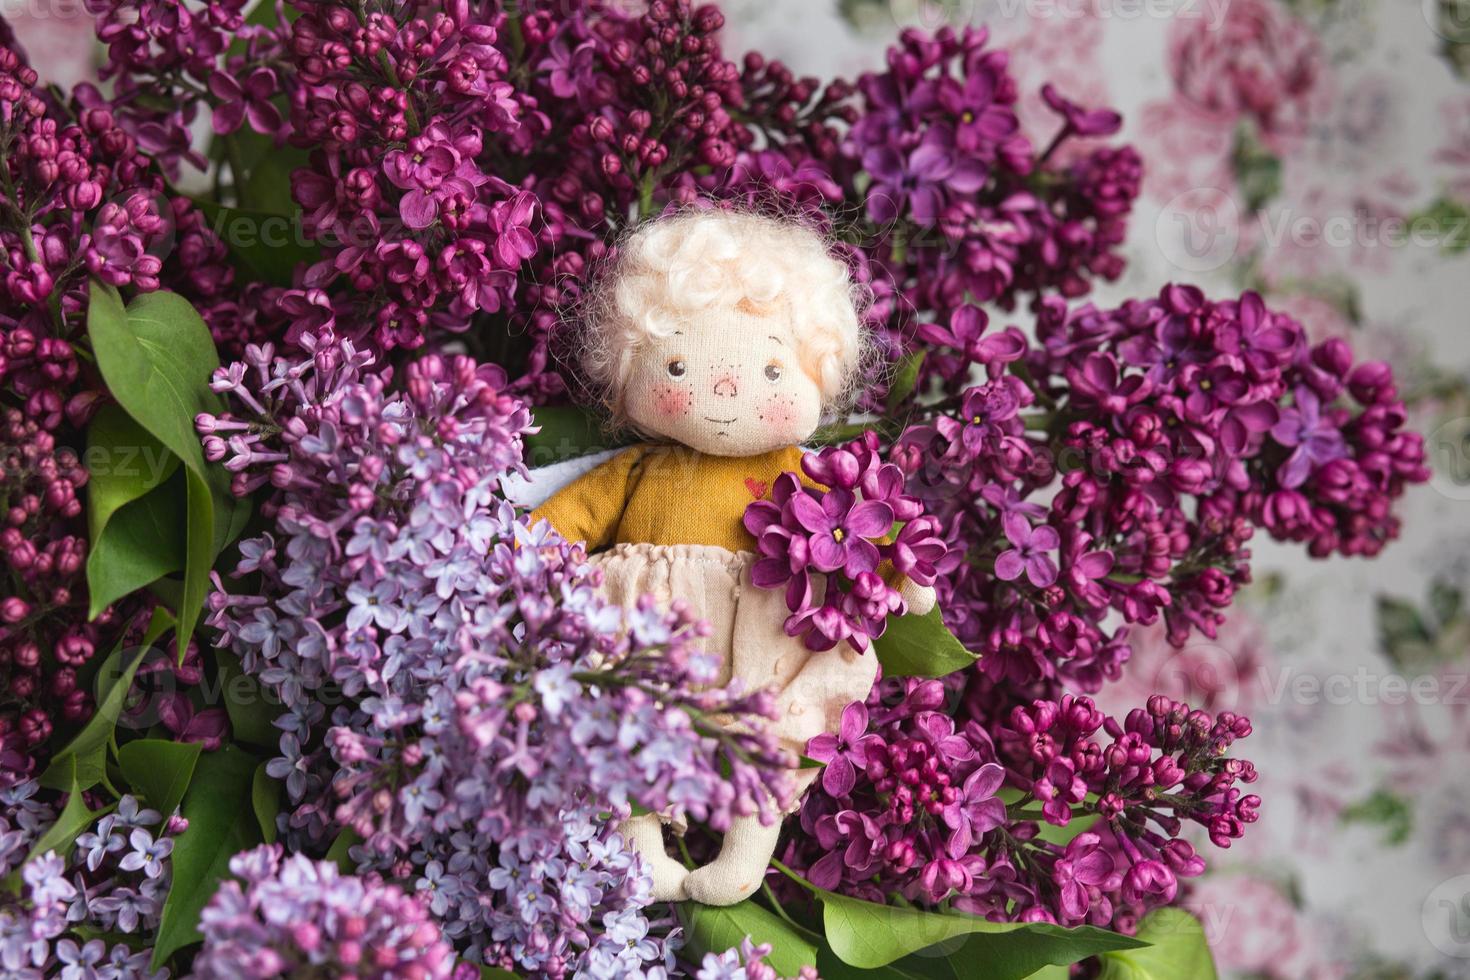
(293, 689)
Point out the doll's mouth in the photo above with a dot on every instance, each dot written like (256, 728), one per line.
(718, 421)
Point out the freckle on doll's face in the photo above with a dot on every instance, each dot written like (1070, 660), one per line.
(729, 384)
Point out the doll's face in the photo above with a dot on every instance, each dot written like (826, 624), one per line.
(728, 384)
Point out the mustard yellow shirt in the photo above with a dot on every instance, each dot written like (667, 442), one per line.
(667, 495)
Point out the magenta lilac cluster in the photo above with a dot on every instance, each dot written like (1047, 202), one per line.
(916, 802)
(829, 545)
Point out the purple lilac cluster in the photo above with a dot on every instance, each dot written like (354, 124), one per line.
(47, 641)
(496, 710)
(166, 61)
(295, 917)
(120, 873)
(1114, 473)
(829, 547)
(80, 198)
(943, 811)
(966, 207)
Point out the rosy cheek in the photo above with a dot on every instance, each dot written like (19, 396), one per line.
(780, 413)
(672, 402)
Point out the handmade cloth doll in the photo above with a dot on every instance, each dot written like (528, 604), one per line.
(721, 337)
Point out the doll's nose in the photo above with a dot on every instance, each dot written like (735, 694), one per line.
(726, 386)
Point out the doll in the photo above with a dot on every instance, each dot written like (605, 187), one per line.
(721, 337)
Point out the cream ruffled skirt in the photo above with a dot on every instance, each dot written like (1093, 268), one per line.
(746, 632)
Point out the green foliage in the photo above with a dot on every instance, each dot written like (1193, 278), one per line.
(1176, 949)
(250, 709)
(159, 770)
(1257, 169)
(156, 356)
(566, 432)
(712, 929)
(1385, 809)
(868, 940)
(222, 823)
(84, 758)
(920, 646)
(905, 379)
(1446, 223)
(130, 511)
(265, 800)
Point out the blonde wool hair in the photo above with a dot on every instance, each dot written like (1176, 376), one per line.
(669, 270)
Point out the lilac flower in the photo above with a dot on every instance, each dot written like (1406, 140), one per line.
(917, 183)
(976, 811)
(1084, 866)
(839, 527)
(842, 750)
(147, 853)
(1031, 553)
(1316, 441)
(250, 99)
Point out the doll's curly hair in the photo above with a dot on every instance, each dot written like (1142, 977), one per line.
(669, 269)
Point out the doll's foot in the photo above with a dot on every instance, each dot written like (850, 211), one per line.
(646, 836)
(670, 879)
(724, 882)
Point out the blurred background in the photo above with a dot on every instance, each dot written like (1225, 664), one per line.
(1319, 152)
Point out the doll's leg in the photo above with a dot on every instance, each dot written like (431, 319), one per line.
(736, 874)
(645, 834)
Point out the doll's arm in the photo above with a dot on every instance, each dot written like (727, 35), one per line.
(590, 507)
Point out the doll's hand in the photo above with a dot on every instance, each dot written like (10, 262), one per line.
(920, 598)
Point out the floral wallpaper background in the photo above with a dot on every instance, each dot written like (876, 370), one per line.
(1319, 152)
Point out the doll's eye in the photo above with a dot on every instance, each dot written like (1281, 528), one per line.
(773, 372)
(677, 369)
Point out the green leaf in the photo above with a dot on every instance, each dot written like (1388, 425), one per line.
(872, 937)
(159, 769)
(125, 464)
(221, 825)
(1257, 169)
(87, 751)
(156, 356)
(1446, 602)
(250, 708)
(59, 837)
(265, 245)
(920, 646)
(566, 432)
(492, 972)
(713, 929)
(1386, 809)
(265, 799)
(346, 838)
(1177, 948)
(1446, 222)
(143, 542)
(905, 378)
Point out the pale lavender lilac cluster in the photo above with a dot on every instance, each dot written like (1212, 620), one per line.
(113, 884)
(491, 710)
(295, 917)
